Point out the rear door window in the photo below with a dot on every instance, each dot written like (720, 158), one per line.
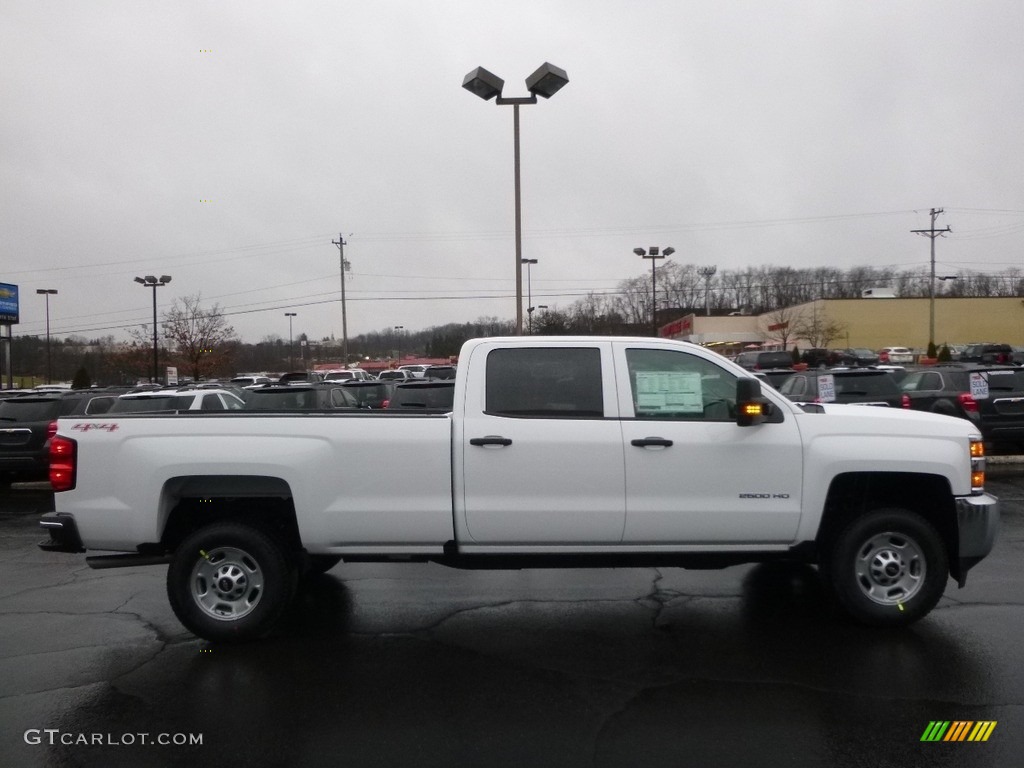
(561, 382)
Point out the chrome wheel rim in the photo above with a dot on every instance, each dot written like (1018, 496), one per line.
(227, 583)
(890, 568)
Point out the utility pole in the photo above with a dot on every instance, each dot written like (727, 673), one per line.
(932, 233)
(340, 242)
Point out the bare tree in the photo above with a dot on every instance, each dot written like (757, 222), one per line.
(782, 325)
(202, 338)
(819, 329)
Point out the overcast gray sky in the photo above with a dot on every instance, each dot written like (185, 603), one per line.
(227, 143)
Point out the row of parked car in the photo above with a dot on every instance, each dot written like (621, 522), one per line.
(991, 396)
(28, 420)
(987, 354)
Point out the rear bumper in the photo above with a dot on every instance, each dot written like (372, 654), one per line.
(977, 519)
(63, 533)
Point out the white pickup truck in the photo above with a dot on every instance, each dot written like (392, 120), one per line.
(559, 452)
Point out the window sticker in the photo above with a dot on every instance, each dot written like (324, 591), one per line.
(979, 386)
(827, 388)
(668, 391)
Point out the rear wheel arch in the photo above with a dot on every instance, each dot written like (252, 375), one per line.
(265, 503)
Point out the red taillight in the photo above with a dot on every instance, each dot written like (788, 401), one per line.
(384, 403)
(51, 430)
(967, 402)
(63, 453)
(905, 400)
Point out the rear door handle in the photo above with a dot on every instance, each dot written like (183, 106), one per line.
(644, 442)
(490, 440)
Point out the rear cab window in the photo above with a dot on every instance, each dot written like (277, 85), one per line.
(545, 382)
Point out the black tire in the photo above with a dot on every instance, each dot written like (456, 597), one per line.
(319, 564)
(888, 568)
(228, 582)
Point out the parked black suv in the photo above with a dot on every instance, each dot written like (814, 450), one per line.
(760, 361)
(995, 404)
(28, 421)
(855, 386)
(988, 354)
(433, 395)
(324, 396)
(372, 394)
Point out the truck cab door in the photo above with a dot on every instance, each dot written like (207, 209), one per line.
(693, 476)
(538, 449)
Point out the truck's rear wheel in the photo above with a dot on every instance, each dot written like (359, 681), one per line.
(888, 568)
(229, 582)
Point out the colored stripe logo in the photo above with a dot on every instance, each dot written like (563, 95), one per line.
(958, 730)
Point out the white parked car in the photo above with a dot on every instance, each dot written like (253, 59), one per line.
(898, 355)
(172, 400)
(348, 374)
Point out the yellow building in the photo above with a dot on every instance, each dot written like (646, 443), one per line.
(872, 323)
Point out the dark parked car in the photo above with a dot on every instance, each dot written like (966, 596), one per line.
(995, 404)
(325, 396)
(988, 354)
(760, 361)
(853, 386)
(27, 423)
(371, 394)
(301, 377)
(444, 372)
(775, 376)
(816, 358)
(430, 395)
(856, 356)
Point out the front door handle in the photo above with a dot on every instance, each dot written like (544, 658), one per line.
(490, 440)
(644, 442)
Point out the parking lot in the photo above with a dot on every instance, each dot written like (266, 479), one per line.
(422, 665)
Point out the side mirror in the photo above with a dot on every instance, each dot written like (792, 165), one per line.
(751, 407)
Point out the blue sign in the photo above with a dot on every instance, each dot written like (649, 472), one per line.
(8, 303)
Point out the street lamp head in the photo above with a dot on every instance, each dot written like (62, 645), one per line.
(165, 279)
(49, 291)
(150, 279)
(291, 314)
(639, 251)
(484, 84)
(546, 81)
(669, 251)
(528, 261)
(140, 281)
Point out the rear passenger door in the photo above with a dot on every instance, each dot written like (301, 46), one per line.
(540, 447)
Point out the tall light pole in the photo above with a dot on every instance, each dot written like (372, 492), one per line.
(654, 253)
(291, 345)
(49, 369)
(529, 293)
(707, 273)
(150, 281)
(545, 82)
(399, 328)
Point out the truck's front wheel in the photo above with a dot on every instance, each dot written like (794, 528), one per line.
(228, 582)
(888, 568)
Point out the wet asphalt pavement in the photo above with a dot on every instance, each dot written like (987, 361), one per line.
(419, 665)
